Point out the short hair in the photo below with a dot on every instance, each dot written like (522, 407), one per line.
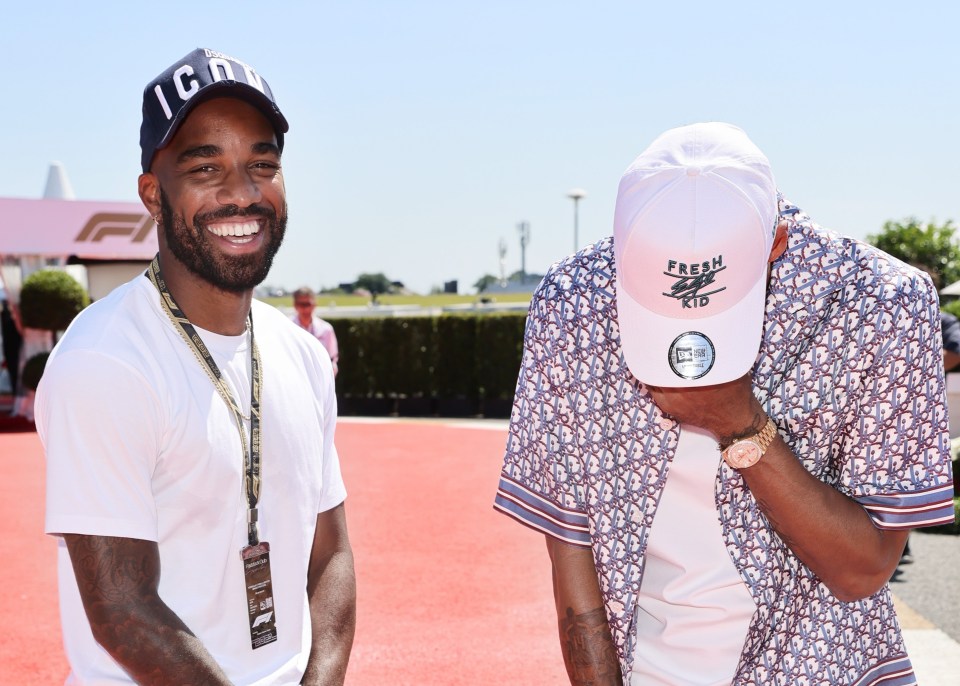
(304, 292)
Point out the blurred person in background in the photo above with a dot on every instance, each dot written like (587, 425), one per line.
(950, 328)
(12, 342)
(304, 302)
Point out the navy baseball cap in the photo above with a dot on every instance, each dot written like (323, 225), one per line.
(199, 76)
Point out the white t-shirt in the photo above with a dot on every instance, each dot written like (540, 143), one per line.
(693, 608)
(140, 445)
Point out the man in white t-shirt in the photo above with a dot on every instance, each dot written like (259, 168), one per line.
(304, 302)
(192, 477)
(726, 422)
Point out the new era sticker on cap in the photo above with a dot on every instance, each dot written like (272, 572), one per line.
(691, 355)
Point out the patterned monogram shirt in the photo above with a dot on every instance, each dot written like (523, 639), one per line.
(850, 369)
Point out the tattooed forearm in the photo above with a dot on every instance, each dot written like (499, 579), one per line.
(106, 569)
(588, 650)
(118, 580)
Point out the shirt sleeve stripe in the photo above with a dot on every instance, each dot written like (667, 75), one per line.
(540, 515)
(910, 510)
(889, 524)
(573, 519)
(522, 516)
(909, 519)
(503, 498)
(905, 510)
(914, 499)
(895, 672)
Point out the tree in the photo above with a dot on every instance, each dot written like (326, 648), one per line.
(374, 283)
(484, 282)
(50, 299)
(932, 247)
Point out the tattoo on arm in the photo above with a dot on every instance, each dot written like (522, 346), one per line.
(588, 649)
(118, 580)
(113, 576)
(775, 521)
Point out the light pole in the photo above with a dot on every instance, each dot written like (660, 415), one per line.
(502, 250)
(523, 228)
(575, 194)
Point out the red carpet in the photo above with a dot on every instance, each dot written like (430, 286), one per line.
(31, 651)
(450, 592)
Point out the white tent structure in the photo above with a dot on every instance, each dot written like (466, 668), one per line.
(58, 185)
(101, 244)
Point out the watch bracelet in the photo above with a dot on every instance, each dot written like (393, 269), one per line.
(764, 437)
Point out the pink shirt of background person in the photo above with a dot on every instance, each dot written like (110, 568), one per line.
(304, 301)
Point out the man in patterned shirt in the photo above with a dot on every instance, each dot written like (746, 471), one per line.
(727, 421)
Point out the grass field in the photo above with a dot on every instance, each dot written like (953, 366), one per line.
(439, 300)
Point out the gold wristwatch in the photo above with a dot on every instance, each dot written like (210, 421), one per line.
(747, 451)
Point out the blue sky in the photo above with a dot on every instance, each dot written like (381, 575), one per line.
(423, 132)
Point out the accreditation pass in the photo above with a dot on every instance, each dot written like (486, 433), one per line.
(256, 573)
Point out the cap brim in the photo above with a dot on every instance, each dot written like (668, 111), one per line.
(227, 89)
(735, 334)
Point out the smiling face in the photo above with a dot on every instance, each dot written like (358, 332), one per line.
(220, 196)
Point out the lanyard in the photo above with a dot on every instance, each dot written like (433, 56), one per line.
(251, 457)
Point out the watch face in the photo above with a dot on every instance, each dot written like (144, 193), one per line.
(742, 454)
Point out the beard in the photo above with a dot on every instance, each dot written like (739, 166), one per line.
(191, 245)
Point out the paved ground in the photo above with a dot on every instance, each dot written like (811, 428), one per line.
(930, 584)
(927, 589)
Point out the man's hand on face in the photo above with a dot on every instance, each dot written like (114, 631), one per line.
(728, 410)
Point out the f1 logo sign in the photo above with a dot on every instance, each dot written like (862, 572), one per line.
(103, 224)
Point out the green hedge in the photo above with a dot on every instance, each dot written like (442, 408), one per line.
(952, 306)
(449, 364)
(456, 368)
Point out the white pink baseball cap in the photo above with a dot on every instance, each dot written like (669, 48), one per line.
(694, 224)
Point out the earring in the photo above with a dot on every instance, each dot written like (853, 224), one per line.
(157, 220)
